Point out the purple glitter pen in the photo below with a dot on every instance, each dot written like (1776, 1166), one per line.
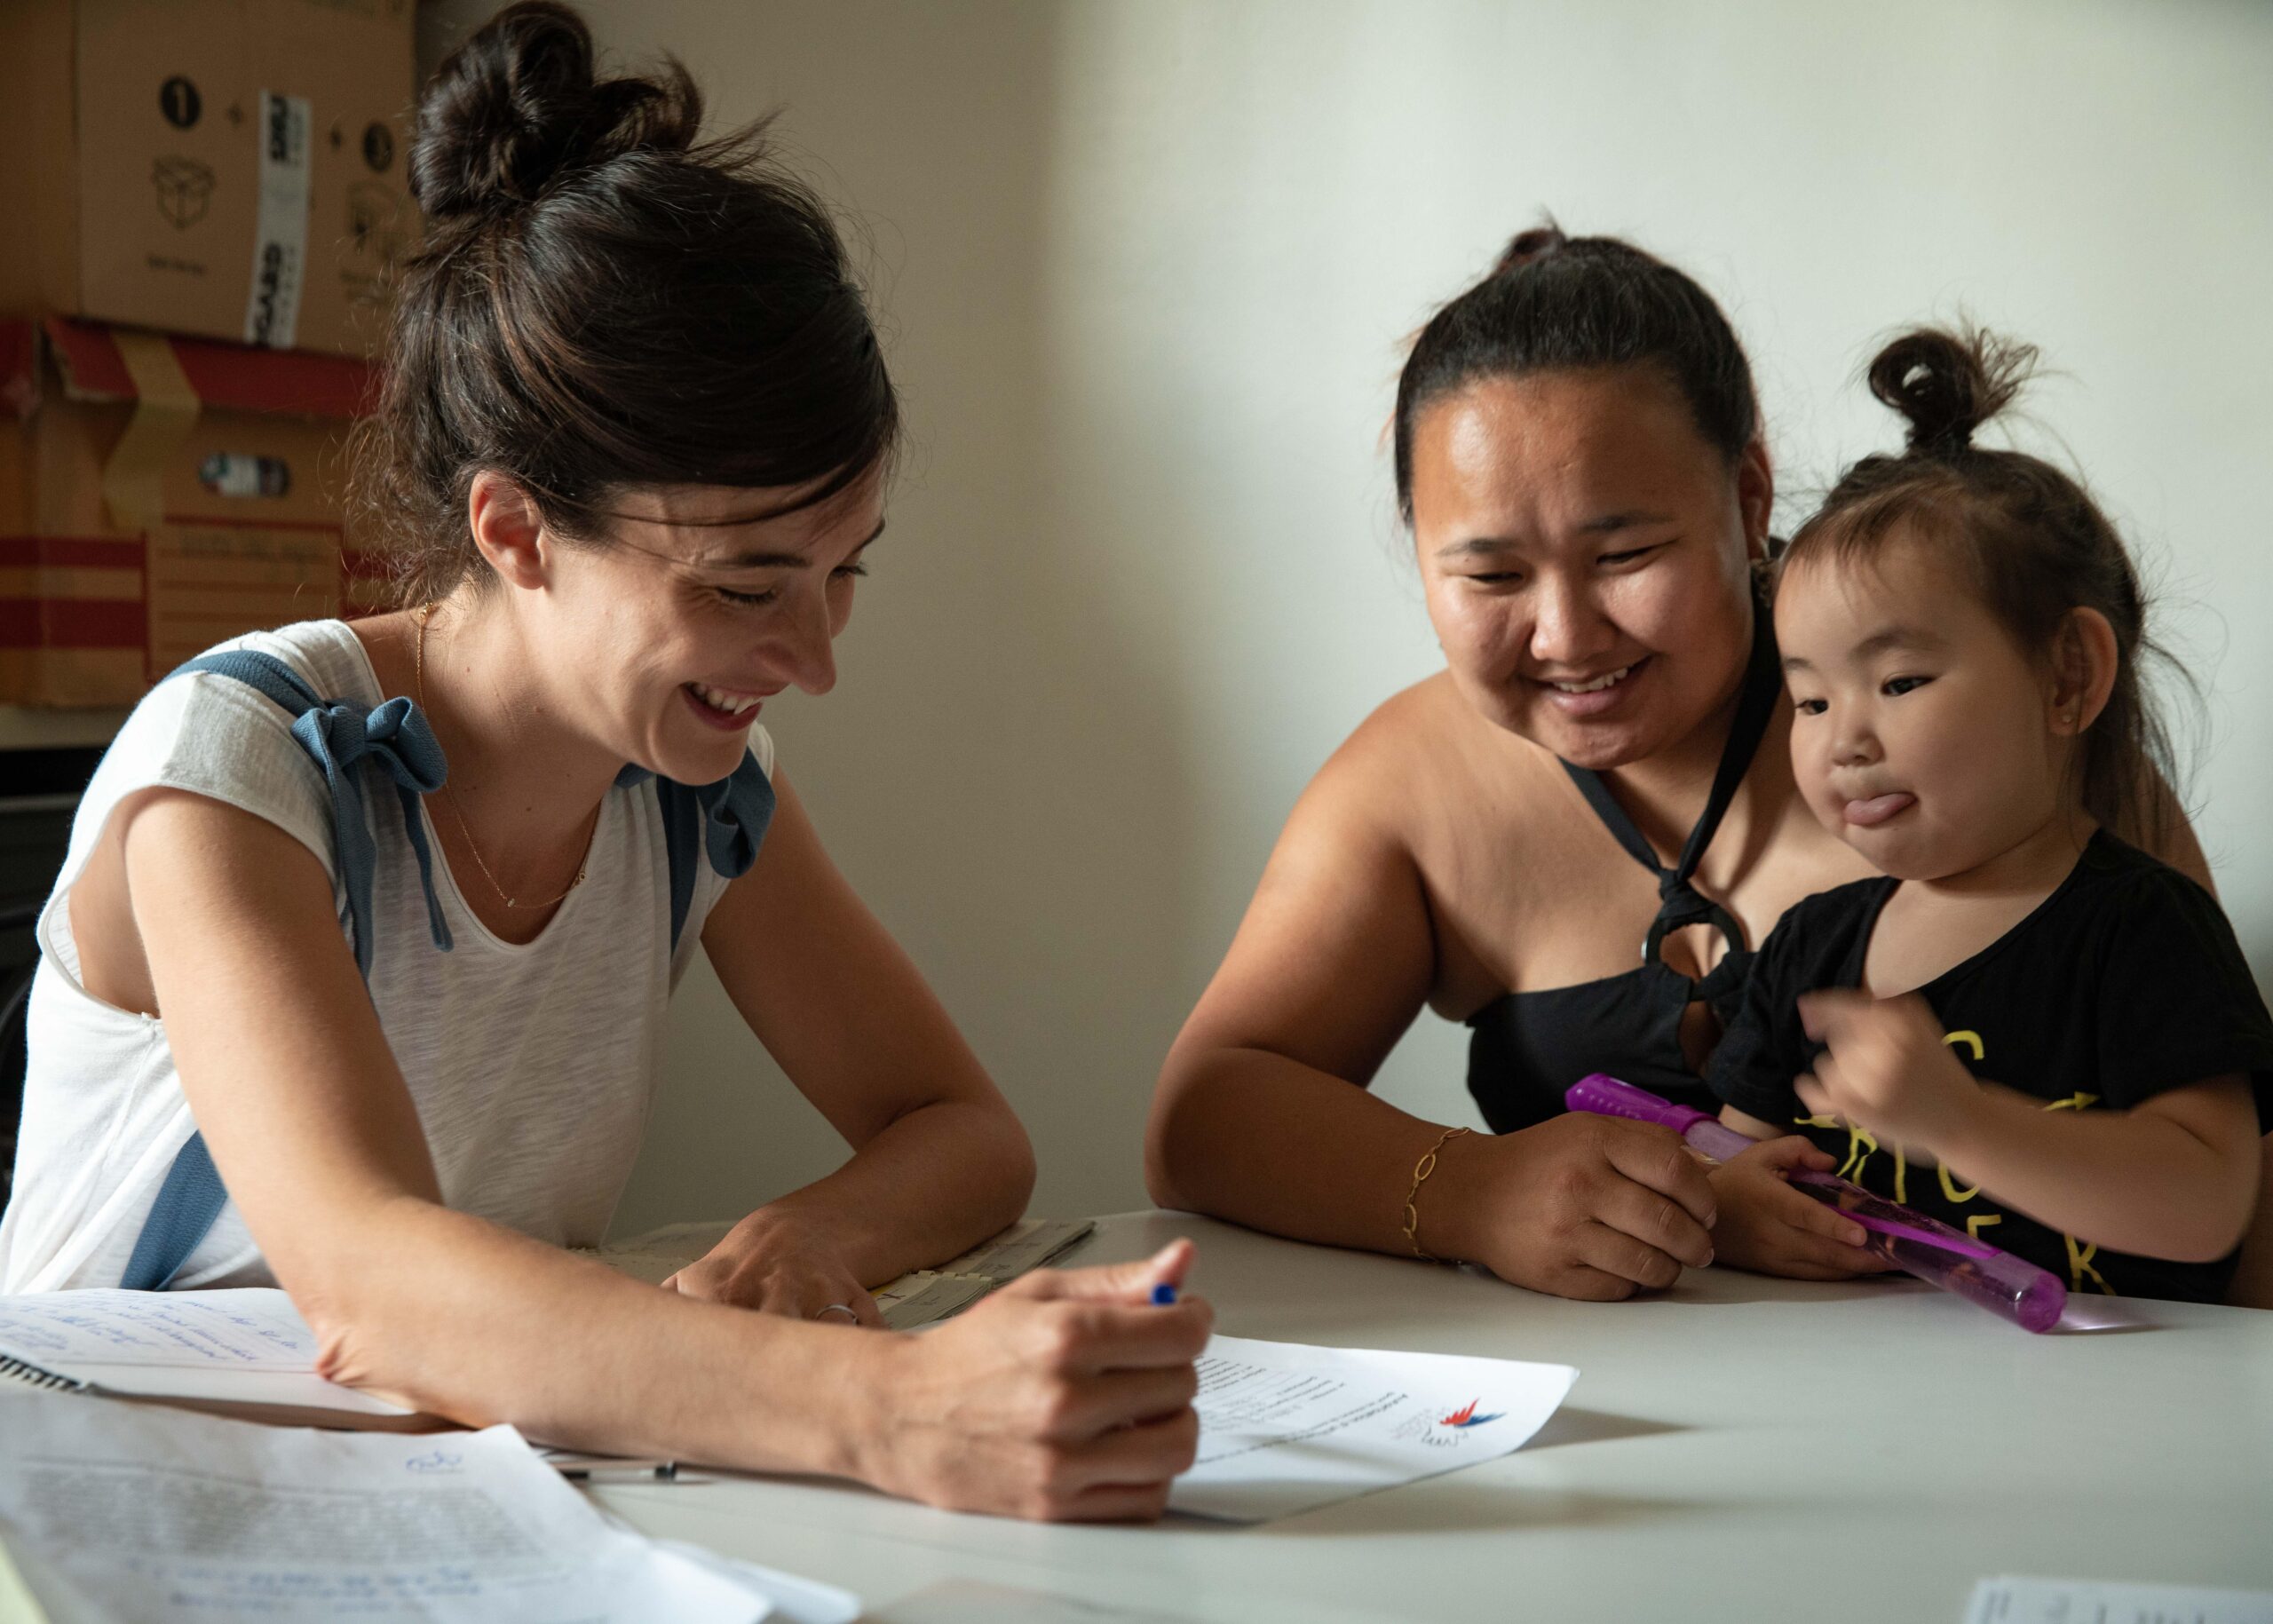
(1936, 1254)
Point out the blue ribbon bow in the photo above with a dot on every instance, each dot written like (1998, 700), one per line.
(397, 738)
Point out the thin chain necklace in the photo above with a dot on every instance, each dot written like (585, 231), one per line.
(450, 801)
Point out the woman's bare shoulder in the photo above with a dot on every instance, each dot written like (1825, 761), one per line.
(1427, 728)
(1425, 749)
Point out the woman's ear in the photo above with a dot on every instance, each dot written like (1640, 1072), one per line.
(508, 528)
(1756, 499)
(2085, 659)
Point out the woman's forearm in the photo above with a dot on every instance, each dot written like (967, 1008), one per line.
(2133, 1181)
(933, 1184)
(1065, 1395)
(1268, 1142)
(474, 1322)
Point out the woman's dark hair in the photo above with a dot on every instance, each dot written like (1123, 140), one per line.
(2027, 537)
(604, 301)
(1555, 302)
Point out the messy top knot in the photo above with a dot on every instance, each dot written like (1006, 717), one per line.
(605, 301)
(517, 105)
(1526, 245)
(1948, 385)
(1555, 303)
(2025, 536)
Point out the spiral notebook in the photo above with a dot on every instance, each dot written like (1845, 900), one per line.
(244, 1352)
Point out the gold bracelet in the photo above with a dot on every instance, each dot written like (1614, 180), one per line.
(1421, 1171)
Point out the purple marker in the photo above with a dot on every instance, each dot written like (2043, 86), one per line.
(1933, 1251)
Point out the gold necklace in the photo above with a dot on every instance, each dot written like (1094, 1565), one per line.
(418, 667)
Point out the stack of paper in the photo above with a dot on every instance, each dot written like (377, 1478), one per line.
(125, 1511)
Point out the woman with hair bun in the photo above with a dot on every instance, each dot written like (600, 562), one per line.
(1600, 775)
(356, 976)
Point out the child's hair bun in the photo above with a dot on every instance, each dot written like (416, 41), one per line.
(1947, 384)
(517, 106)
(1533, 244)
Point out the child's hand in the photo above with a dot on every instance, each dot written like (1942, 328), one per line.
(1767, 1226)
(1886, 1067)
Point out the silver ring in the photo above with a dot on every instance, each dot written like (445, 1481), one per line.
(844, 1309)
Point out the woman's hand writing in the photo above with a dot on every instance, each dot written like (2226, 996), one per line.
(1066, 1397)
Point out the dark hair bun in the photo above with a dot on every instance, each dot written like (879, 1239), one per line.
(1536, 243)
(516, 107)
(1947, 384)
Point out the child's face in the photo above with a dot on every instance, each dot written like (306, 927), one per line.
(1922, 736)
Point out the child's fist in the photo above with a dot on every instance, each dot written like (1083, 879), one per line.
(1885, 1067)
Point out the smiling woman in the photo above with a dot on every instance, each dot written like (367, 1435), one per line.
(631, 450)
(1602, 766)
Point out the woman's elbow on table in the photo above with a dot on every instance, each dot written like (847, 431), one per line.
(1014, 1167)
(357, 1276)
(1172, 1136)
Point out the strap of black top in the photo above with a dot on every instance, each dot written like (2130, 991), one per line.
(1679, 904)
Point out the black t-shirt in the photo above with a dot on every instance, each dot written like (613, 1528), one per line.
(2124, 983)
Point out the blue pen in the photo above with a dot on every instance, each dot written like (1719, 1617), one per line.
(1163, 1295)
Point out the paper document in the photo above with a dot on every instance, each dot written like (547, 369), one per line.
(925, 1297)
(2008, 1600)
(129, 1511)
(1285, 1428)
(244, 1352)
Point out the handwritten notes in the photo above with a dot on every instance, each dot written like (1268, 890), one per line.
(248, 1329)
(246, 1349)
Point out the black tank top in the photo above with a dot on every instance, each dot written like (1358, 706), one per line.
(1525, 1048)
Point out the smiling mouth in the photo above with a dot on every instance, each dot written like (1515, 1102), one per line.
(1592, 684)
(719, 700)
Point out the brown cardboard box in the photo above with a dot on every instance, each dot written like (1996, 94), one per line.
(156, 496)
(231, 168)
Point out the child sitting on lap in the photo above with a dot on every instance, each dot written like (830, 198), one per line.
(1960, 631)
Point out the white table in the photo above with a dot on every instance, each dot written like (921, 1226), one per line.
(1735, 1448)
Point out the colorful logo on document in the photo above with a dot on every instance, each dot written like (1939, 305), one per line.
(1468, 1417)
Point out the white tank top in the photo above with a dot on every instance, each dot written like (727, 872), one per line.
(532, 1066)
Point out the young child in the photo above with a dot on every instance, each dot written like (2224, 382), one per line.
(2028, 1028)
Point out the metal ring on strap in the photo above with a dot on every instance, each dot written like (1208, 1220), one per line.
(1714, 915)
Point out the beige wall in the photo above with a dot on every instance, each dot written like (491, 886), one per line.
(1144, 267)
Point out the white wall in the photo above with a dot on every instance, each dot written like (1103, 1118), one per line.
(1145, 266)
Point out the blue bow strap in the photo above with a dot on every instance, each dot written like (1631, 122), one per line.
(726, 821)
(736, 810)
(340, 738)
(397, 739)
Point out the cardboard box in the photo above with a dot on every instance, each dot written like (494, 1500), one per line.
(231, 168)
(156, 496)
